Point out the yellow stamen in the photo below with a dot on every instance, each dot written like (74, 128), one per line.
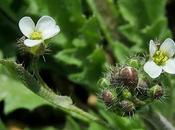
(160, 58)
(36, 35)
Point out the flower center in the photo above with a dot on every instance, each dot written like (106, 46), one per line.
(36, 36)
(160, 58)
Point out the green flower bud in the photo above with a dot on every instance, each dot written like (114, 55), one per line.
(103, 82)
(156, 92)
(134, 63)
(37, 50)
(126, 94)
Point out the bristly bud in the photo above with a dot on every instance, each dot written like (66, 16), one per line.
(134, 62)
(103, 82)
(126, 94)
(127, 107)
(114, 76)
(156, 92)
(35, 50)
(129, 76)
(142, 89)
(107, 97)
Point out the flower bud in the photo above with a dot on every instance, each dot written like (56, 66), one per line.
(129, 76)
(134, 63)
(37, 50)
(126, 94)
(114, 77)
(142, 89)
(156, 92)
(127, 107)
(103, 82)
(107, 97)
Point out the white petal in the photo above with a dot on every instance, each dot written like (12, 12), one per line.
(170, 66)
(152, 48)
(26, 26)
(47, 26)
(152, 69)
(168, 47)
(31, 43)
(51, 32)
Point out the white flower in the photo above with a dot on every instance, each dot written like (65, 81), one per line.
(161, 59)
(45, 28)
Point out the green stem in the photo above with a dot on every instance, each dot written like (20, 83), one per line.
(36, 73)
(167, 82)
(156, 121)
(61, 102)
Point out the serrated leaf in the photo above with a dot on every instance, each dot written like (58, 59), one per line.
(144, 22)
(31, 83)
(88, 29)
(92, 68)
(157, 30)
(17, 95)
(121, 52)
(140, 13)
(68, 56)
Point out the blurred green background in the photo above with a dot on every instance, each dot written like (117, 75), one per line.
(94, 33)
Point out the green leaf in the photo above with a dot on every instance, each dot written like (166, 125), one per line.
(88, 29)
(68, 14)
(19, 73)
(46, 128)
(2, 126)
(92, 68)
(68, 56)
(121, 52)
(16, 95)
(140, 13)
(144, 22)
(71, 124)
(157, 30)
(123, 123)
(95, 126)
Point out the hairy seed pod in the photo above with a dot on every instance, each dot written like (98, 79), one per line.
(156, 92)
(129, 76)
(107, 97)
(127, 107)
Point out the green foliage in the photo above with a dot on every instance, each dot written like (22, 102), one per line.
(144, 22)
(93, 33)
(17, 95)
(2, 127)
(71, 124)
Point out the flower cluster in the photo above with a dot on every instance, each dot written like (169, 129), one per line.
(125, 90)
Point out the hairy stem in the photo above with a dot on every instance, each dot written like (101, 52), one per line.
(155, 120)
(61, 102)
